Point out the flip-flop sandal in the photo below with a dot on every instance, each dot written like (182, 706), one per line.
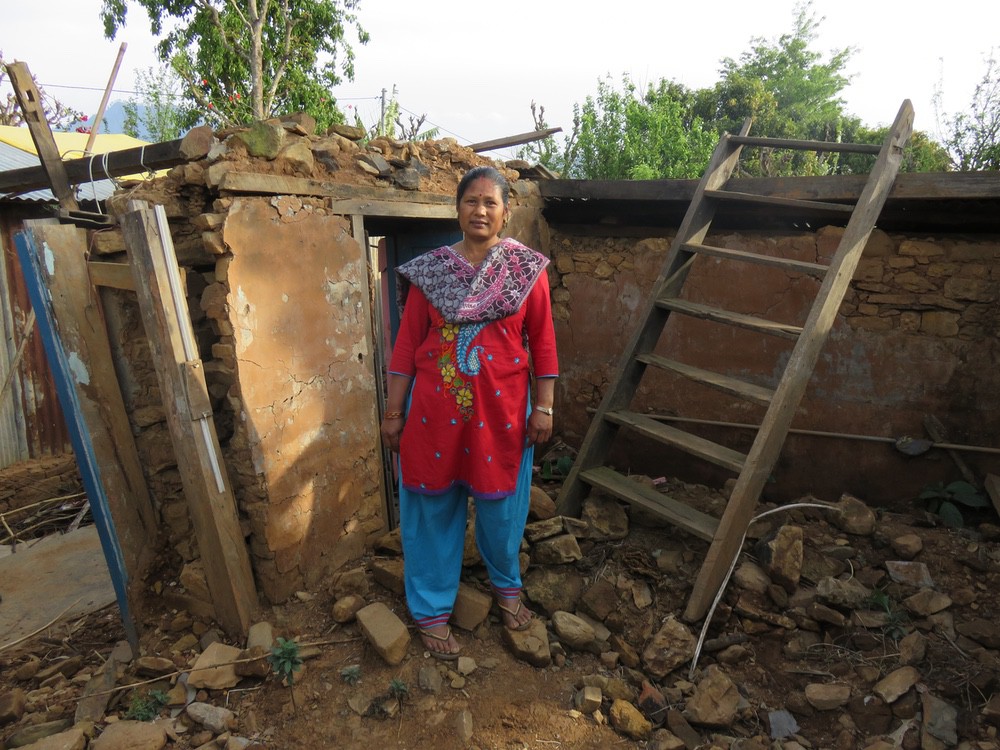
(514, 612)
(443, 655)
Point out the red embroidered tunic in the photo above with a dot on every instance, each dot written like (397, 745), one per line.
(467, 420)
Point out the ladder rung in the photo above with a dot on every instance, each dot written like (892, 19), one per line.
(715, 380)
(787, 264)
(700, 524)
(696, 446)
(797, 145)
(750, 322)
(772, 200)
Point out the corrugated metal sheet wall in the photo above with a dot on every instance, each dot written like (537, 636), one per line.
(31, 421)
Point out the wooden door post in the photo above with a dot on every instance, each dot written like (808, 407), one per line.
(181, 376)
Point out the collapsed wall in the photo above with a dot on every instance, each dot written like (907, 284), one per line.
(278, 289)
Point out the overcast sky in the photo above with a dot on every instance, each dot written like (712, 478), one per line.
(474, 68)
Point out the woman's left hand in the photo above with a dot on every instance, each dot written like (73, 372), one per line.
(539, 427)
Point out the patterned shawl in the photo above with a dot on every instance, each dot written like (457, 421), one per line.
(463, 293)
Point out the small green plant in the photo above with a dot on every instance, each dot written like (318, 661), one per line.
(895, 624)
(146, 706)
(352, 674)
(285, 660)
(944, 500)
(398, 689)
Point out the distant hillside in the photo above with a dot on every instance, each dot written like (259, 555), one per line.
(114, 119)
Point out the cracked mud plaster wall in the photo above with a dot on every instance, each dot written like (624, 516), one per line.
(916, 334)
(301, 345)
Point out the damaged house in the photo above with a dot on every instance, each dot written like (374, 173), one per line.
(232, 399)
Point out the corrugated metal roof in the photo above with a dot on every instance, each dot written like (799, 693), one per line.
(17, 150)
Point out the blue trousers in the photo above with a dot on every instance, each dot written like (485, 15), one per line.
(433, 535)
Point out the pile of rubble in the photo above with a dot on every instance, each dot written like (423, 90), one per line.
(843, 628)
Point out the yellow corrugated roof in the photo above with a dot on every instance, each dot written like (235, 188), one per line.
(70, 145)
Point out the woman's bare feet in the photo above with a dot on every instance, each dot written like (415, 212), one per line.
(440, 642)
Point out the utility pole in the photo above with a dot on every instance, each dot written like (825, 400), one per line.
(381, 119)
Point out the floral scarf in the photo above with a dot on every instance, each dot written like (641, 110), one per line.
(463, 293)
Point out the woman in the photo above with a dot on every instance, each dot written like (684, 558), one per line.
(459, 410)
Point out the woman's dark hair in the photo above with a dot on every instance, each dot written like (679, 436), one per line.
(489, 173)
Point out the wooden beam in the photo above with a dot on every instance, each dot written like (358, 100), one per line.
(394, 209)
(514, 140)
(114, 275)
(30, 100)
(104, 100)
(181, 379)
(129, 161)
(911, 186)
(276, 184)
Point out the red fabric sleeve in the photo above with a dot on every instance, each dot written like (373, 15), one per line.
(541, 333)
(413, 329)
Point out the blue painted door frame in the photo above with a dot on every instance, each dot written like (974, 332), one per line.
(41, 301)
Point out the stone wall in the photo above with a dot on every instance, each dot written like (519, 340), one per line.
(917, 334)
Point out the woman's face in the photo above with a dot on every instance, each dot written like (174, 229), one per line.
(481, 212)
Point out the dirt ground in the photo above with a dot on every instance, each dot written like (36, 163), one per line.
(505, 704)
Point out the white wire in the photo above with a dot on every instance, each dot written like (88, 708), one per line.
(729, 573)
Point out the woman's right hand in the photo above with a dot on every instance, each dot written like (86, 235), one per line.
(391, 429)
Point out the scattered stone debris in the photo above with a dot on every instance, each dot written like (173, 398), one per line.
(880, 653)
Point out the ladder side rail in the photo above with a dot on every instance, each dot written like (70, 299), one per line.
(693, 229)
(774, 427)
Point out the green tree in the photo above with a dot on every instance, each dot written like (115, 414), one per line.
(243, 60)
(155, 113)
(973, 137)
(790, 91)
(620, 134)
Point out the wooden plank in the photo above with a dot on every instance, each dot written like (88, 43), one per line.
(360, 235)
(409, 210)
(774, 427)
(276, 184)
(30, 100)
(785, 264)
(685, 441)
(818, 146)
(750, 322)
(677, 513)
(718, 381)
(909, 186)
(733, 196)
(514, 140)
(650, 320)
(84, 336)
(53, 282)
(129, 161)
(206, 485)
(114, 275)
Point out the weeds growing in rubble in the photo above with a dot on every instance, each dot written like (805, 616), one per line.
(351, 674)
(145, 706)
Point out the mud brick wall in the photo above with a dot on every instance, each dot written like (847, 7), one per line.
(278, 292)
(917, 334)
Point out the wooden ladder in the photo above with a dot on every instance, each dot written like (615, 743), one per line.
(753, 468)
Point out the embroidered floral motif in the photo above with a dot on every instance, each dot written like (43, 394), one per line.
(458, 361)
